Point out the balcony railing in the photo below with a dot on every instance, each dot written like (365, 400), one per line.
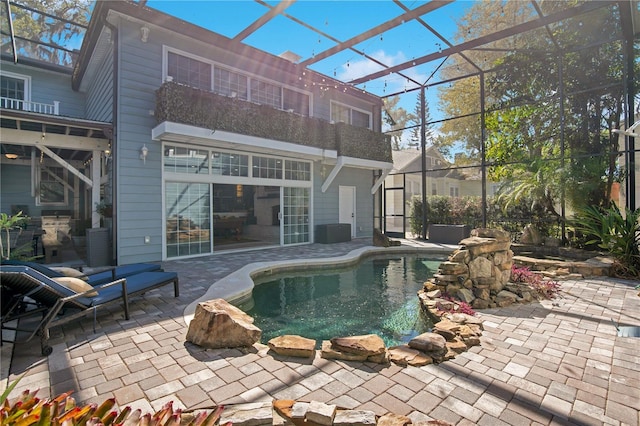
(39, 107)
(186, 105)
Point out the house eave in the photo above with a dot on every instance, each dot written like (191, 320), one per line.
(184, 133)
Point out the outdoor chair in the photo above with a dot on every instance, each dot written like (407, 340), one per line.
(58, 304)
(95, 278)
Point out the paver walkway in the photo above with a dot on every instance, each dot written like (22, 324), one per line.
(553, 362)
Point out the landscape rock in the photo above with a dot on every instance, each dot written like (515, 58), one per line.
(321, 413)
(328, 352)
(391, 419)
(403, 355)
(428, 342)
(218, 324)
(250, 414)
(354, 418)
(292, 345)
(370, 344)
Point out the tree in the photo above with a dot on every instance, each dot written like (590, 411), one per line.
(460, 100)
(396, 118)
(39, 35)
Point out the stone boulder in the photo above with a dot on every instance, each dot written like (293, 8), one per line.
(292, 345)
(369, 348)
(369, 344)
(429, 342)
(218, 324)
(403, 355)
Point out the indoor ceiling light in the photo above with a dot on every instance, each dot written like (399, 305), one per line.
(11, 156)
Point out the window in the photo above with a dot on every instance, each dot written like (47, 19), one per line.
(268, 168)
(188, 225)
(179, 159)
(344, 114)
(454, 191)
(297, 170)
(229, 83)
(360, 119)
(13, 90)
(229, 164)
(52, 189)
(266, 94)
(295, 102)
(434, 188)
(189, 71)
(340, 113)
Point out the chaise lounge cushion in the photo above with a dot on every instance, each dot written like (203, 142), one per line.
(76, 284)
(93, 279)
(69, 272)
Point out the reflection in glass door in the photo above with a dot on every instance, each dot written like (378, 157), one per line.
(295, 215)
(188, 218)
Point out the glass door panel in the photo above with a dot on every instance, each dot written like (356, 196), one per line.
(295, 215)
(187, 209)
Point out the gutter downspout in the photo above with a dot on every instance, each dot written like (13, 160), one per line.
(114, 138)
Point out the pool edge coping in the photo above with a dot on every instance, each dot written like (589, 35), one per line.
(239, 284)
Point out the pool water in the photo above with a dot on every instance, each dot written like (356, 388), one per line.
(378, 296)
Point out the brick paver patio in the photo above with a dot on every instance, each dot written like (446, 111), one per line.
(550, 362)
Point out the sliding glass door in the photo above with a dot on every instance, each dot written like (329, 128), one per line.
(187, 208)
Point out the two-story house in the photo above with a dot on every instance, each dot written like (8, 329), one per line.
(199, 142)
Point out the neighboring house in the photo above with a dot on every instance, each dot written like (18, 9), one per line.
(200, 142)
(405, 181)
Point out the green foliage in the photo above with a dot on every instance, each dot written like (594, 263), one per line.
(27, 410)
(617, 233)
(51, 33)
(510, 216)
(187, 105)
(9, 223)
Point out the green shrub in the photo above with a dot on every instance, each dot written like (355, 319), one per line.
(617, 233)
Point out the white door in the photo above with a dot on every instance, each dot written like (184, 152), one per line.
(347, 206)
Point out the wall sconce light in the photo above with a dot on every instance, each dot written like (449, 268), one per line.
(144, 34)
(107, 154)
(143, 153)
(11, 156)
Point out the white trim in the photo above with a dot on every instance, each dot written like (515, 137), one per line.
(351, 108)
(379, 181)
(248, 75)
(183, 133)
(25, 78)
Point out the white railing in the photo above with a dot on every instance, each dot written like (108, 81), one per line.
(39, 107)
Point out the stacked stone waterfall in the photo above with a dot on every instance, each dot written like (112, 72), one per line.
(478, 272)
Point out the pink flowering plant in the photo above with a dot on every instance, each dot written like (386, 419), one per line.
(547, 289)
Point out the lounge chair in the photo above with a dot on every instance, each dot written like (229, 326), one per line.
(96, 278)
(59, 304)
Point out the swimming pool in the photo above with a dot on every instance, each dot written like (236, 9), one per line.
(377, 295)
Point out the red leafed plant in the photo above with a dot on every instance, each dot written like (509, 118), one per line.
(548, 289)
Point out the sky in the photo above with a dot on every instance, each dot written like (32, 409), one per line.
(338, 20)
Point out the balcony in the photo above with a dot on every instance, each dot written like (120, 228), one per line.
(38, 107)
(182, 104)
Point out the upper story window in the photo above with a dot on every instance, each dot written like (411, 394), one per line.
(14, 91)
(230, 83)
(189, 71)
(295, 102)
(266, 94)
(198, 73)
(341, 113)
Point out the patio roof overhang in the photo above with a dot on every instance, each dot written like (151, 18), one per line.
(184, 133)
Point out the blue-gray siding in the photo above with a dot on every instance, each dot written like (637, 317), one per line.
(48, 86)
